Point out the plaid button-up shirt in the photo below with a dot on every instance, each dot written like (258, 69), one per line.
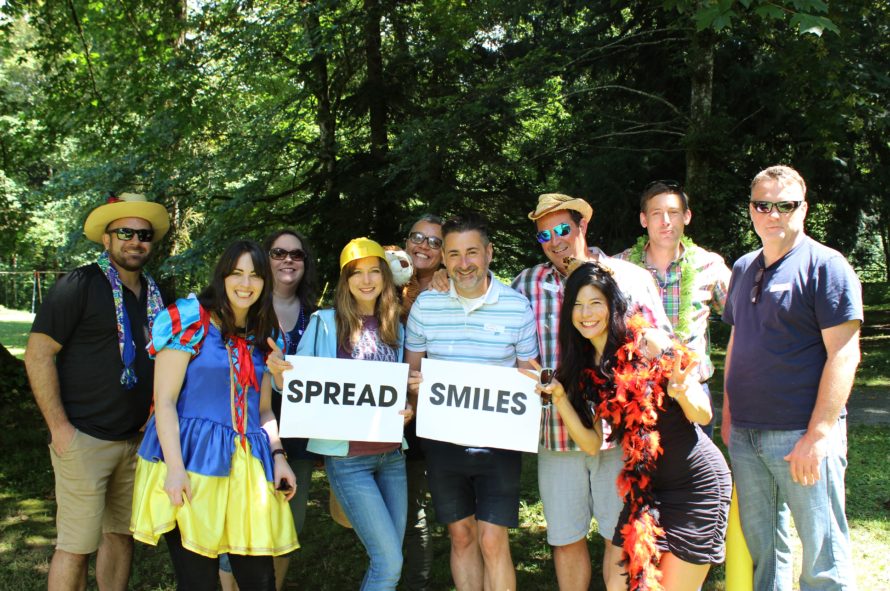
(708, 296)
(544, 287)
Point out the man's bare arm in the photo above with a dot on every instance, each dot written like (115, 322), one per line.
(414, 358)
(726, 419)
(842, 349)
(40, 363)
(526, 363)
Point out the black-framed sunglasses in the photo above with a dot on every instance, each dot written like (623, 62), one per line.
(757, 289)
(126, 234)
(419, 238)
(547, 235)
(781, 206)
(279, 254)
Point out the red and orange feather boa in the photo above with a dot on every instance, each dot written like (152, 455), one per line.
(630, 402)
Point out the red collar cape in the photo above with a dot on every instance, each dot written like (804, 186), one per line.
(629, 401)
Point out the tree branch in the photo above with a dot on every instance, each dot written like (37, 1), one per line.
(86, 52)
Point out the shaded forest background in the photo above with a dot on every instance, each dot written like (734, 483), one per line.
(352, 117)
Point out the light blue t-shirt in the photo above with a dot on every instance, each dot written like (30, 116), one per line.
(498, 332)
(778, 354)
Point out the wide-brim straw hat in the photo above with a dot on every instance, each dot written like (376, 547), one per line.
(359, 248)
(550, 202)
(127, 205)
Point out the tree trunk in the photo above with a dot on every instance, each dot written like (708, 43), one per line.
(180, 14)
(375, 87)
(318, 81)
(701, 65)
(385, 202)
(324, 116)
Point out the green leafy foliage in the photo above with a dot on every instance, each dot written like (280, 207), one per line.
(352, 118)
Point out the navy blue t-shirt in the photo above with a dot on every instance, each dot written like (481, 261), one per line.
(778, 354)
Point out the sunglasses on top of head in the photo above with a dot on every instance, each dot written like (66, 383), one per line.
(547, 235)
(781, 206)
(126, 234)
(279, 254)
(420, 238)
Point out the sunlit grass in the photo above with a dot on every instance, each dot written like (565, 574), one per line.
(14, 328)
(332, 558)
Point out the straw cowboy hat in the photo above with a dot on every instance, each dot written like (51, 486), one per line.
(550, 202)
(127, 205)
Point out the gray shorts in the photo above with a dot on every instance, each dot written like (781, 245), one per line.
(576, 487)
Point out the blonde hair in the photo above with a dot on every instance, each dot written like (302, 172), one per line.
(782, 174)
(386, 309)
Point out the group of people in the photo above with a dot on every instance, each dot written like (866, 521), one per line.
(618, 348)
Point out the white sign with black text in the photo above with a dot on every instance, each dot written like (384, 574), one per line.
(344, 399)
(478, 406)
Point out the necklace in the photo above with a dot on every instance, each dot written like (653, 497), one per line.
(688, 272)
(301, 322)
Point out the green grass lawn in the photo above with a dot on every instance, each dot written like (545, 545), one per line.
(332, 558)
(14, 327)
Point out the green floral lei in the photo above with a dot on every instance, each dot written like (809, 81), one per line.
(688, 272)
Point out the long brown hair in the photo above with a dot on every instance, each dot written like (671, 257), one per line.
(386, 309)
(261, 320)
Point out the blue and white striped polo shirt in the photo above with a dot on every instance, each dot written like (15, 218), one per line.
(499, 332)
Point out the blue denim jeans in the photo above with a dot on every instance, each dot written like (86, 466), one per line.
(768, 497)
(373, 493)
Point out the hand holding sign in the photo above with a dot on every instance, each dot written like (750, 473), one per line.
(345, 399)
(408, 412)
(478, 406)
(276, 363)
(414, 380)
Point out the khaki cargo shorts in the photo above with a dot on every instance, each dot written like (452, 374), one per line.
(94, 490)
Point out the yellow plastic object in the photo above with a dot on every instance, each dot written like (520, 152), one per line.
(359, 248)
(739, 566)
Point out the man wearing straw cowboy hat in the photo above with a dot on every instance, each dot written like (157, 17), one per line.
(574, 486)
(92, 379)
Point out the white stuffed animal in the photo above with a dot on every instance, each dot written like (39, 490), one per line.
(400, 265)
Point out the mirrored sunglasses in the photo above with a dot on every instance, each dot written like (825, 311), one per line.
(420, 238)
(547, 235)
(126, 234)
(781, 206)
(279, 254)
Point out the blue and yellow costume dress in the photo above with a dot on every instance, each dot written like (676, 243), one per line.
(234, 506)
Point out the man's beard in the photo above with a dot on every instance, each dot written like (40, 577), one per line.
(123, 261)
